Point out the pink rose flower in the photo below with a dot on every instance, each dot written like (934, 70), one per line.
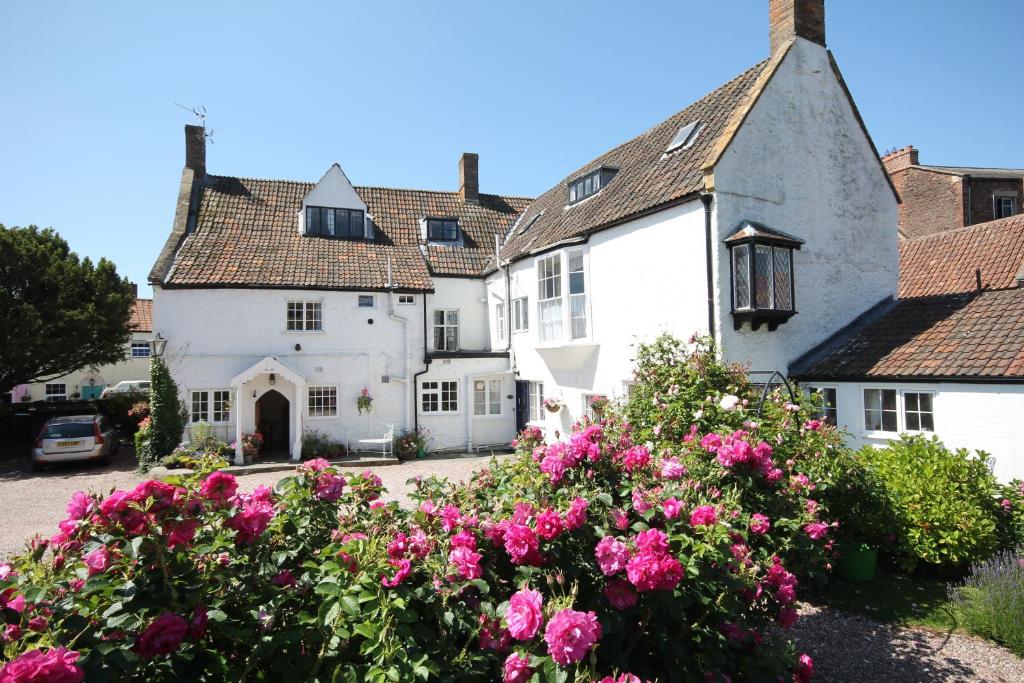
(570, 635)
(251, 521)
(804, 669)
(672, 507)
(181, 533)
(654, 571)
(10, 633)
(620, 519)
(705, 515)
(576, 517)
(315, 465)
(404, 568)
(467, 562)
(98, 560)
(521, 544)
(612, 555)
(517, 669)
(197, 626)
(816, 530)
(524, 616)
(549, 525)
(50, 666)
(219, 487)
(284, 578)
(620, 594)
(329, 487)
(163, 635)
(787, 617)
(672, 469)
(492, 636)
(759, 523)
(79, 506)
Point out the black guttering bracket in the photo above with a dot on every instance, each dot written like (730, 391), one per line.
(707, 198)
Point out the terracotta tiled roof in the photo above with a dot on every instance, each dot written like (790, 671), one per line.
(962, 336)
(945, 263)
(142, 315)
(246, 235)
(646, 178)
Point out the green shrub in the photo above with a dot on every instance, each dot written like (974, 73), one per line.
(143, 446)
(166, 412)
(990, 602)
(1011, 515)
(316, 444)
(944, 502)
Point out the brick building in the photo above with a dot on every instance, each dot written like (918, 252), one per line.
(939, 198)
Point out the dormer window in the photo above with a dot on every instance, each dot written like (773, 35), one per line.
(685, 138)
(590, 184)
(762, 275)
(337, 223)
(442, 230)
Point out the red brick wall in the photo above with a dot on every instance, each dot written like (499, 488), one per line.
(982, 190)
(931, 202)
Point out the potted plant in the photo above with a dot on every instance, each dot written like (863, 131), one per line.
(411, 444)
(26, 397)
(552, 405)
(365, 401)
(867, 520)
(599, 404)
(252, 444)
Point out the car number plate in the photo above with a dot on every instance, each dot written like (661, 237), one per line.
(64, 444)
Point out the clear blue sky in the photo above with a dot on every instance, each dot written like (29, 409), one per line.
(92, 141)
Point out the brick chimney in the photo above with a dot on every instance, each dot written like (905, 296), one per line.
(900, 159)
(195, 150)
(135, 290)
(469, 178)
(788, 19)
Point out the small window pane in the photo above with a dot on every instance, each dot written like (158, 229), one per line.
(763, 290)
(783, 284)
(741, 276)
(366, 301)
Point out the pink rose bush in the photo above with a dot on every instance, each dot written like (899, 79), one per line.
(609, 555)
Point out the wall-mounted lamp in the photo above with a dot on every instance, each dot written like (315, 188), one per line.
(92, 381)
(157, 345)
(298, 347)
(273, 379)
(254, 393)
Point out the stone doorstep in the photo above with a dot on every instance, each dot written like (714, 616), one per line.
(260, 467)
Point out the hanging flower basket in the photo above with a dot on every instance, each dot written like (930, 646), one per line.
(599, 404)
(552, 405)
(365, 401)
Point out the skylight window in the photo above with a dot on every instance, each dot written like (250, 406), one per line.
(685, 138)
(530, 223)
(590, 184)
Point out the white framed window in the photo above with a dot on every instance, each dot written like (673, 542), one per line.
(365, 301)
(536, 401)
(322, 401)
(221, 406)
(520, 314)
(443, 229)
(337, 223)
(487, 396)
(880, 413)
(446, 329)
(1004, 206)
(918, 411)
(549, 297)
(406, 299)
(140, 349)
(499, 319)
(577, 296)
(440, 396)
(587, 410)
(829, 411)
(57, 391)
(200, 407)
(213, 406)
(305, 316)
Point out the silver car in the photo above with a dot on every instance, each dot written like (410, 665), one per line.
(76, 437)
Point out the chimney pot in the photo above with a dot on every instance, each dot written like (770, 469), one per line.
(469, 178)
(195, 150)
(135, 290)
(900, 159)
(788, 19)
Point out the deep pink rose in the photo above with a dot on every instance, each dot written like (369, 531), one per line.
(10, 633)
(620, 594)
(79, 505)
(759, 523)
(467, 562)
(37, 623)
(329, 487)
(672, 508)
(517, 669)
(39, 666)
(521, 543)
(654, 571)
(284, 578)
(549, 525)
(816, 530)
(651, 541)
(197, 627)
(219, 487)
(576, 517)
(804, 669)
(98, 561)
(524, 616)
(162, 636)
(671, 468)
(787, 617)
(181, 532)
(570, 635)
(404, 568)
(315, 465)
(251, 520)
(612, 555)
(705, 515)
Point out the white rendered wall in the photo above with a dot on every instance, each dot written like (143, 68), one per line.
(464, 430)
(104, 375)
(468, 297)
(215, 334)
(801, 164)
(643, 278)
(987, 417)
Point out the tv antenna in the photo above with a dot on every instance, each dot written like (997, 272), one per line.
(200, 113)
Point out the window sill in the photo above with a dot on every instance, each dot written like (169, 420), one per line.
(568, 343)
(879, 434)
(304, 332)
(756, 318)
(488, 417)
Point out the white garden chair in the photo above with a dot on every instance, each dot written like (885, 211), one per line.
(385, 443)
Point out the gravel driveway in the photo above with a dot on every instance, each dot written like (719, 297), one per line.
(844, 647)
(33, 503)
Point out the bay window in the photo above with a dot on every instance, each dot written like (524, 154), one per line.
(549, 297)
(762, 274)
(561, 306)
(577, 297)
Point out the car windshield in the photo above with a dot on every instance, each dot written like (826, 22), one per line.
(68, 430)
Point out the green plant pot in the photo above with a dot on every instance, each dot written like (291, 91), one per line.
(858, 562)
(421, 452)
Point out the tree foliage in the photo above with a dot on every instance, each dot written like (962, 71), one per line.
(167, 420)
(60, 312)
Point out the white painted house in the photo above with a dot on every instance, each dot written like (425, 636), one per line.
(761, 215)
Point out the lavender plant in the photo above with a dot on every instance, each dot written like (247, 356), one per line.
(990, 602)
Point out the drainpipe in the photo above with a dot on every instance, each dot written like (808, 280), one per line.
(416, 377)
(407, 356)
(706, 199)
